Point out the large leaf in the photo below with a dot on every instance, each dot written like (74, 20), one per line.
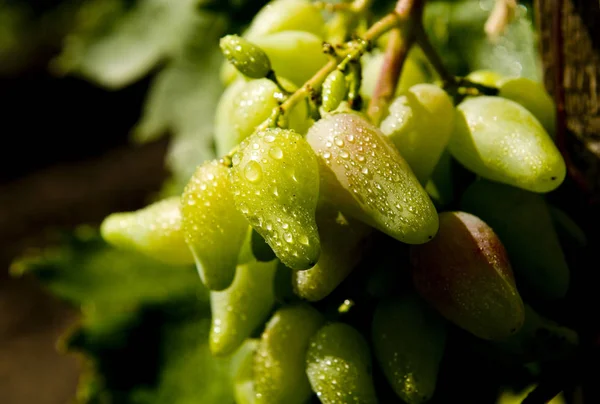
(117, 42)
(144, 325)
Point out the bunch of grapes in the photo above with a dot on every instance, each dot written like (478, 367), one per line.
(333, 242)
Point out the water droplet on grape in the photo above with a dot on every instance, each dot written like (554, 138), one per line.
(253, 172)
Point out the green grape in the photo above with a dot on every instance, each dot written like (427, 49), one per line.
(286, 15)
(363, 174)
(246, 57)
(243, 388)
(440, 186)
(338, 365)
(408, 341)
(275, 178)
(245, 105)
(280, 360)
(486, 77)
(214, 230)
(540, 339)
(534, 97)
(412, 73)
(500, 140)
(238, 310)
(464, 273)
(522, 221)
(334, 90)
(420, 123)
(295, 55)
(155, 231)
(342, 246)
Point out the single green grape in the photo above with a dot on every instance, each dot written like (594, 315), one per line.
(213, 228)
(343, 243)
(338, 365)
(155, 231)
(243, 306)
(363, 174)
(523, 222)
(420, 123)
(245, 105)
(227, 129)
(409, 340)
(534, 97)
(280, 360)
(334, 90)
(295, 55)
(286, 15)
(464, 273)
(247, 58)
(500, 140)
(275, 182)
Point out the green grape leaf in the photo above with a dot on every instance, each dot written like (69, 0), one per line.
(144, 327)
(116, 42)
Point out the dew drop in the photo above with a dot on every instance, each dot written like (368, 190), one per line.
(253, 172)
(326, 155)
(339, 142)
(288, 237)
(276, 153)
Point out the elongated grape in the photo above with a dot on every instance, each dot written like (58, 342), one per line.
(408, 341)
(420, 123)
(334, 90)
(343, 242)
(522, 221)
(412, 73)
(243, 389)
(214, 230)
(243, 306)
(295, 55)
(246, 105)
(280, 360)
(363, 174)
(154, 231)
(248, 59)
(533, 96)
(464, 273)
(338, 365)
(275, 180)
(500, 140)
(286, 15)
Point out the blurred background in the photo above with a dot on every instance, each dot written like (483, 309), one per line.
(87, 91)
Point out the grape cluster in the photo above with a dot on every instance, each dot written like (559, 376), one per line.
(303, 197)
